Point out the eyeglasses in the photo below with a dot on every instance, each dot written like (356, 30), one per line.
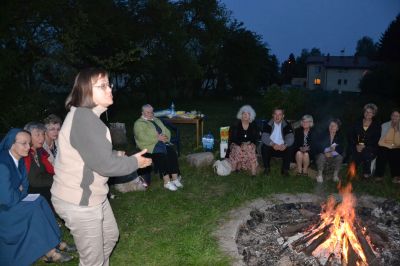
(23, 143)
(54, 129)
(105, 86)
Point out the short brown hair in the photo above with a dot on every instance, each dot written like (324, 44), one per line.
(82, 92)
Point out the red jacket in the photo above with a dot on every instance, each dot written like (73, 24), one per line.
(43, 160)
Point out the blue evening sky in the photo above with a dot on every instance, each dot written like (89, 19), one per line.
(288, 26)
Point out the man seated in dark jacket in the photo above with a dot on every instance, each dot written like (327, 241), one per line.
(277, 139)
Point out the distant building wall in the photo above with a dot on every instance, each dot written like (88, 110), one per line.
(343, 79)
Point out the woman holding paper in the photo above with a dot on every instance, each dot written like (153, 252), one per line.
(329, 149)
(28, 229)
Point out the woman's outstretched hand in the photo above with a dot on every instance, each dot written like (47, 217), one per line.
(142, 161)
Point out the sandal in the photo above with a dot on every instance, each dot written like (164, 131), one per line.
(396, 180)
(63, 257)
(299, 174)
(63, 246)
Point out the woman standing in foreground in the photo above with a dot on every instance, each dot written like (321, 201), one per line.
(84, 163)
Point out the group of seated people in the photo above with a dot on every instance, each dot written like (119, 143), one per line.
(28, 228)
(367, 142)
(27, 157)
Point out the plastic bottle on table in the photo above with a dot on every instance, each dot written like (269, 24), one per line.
(173, 113)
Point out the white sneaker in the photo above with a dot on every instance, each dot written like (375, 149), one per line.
(177, 183)
(170, 186)
(335, 178)
(320, 179)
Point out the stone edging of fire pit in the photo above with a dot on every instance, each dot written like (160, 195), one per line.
(228, 229)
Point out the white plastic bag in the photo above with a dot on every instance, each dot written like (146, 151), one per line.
(222, 167)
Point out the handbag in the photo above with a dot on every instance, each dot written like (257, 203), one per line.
(222, 167)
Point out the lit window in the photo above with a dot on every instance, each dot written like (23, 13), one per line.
(317, 81)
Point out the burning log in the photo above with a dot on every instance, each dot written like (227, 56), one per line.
(308, 236)
(352, 257)
(377, 240)
(310, 248)
(330, 260)
(293, 229)
(308, 214)
(369, 254)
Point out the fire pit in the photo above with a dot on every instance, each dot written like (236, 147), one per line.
(299, 230)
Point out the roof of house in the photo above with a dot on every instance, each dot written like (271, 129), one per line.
(341, 61)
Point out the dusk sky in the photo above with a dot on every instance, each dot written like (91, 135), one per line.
(288, 26)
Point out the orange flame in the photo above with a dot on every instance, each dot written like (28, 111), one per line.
(342, 232)
(352, 171)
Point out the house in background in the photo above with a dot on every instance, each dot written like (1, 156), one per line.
(337, 73)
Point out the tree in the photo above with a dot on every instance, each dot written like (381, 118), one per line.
(389, 43)
(301, 61)
(288, 69)
(385, 79)
(366, 47)
(246, 65)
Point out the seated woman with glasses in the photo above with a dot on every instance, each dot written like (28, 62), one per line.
(28, 229)
(303, 137)
(53, 126)
(151, 134)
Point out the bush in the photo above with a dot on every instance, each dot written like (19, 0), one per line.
(292, 100)
(20, 107)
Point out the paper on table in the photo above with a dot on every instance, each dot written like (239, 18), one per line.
(31, 197)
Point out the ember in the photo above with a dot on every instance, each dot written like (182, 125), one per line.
(339, 237)
(338, 233)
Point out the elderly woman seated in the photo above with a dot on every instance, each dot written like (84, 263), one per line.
(329, 149)
(303, 137)
(243, 137)
(151, 134)
(40, 170)
(28, 229)
(53, 126)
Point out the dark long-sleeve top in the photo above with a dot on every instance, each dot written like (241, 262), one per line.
(299, 140)
(324, 141)
(369, 137)
(39, 175)
(238, 135)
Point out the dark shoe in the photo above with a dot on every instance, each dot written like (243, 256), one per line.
(266, 171)
(58, 258)
(285, 172)
(299, 174)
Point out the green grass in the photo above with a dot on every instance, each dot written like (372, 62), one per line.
(159, 227)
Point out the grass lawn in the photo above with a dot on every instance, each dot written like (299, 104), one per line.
(159, 227)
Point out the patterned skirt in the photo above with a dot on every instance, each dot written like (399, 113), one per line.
(243, 157)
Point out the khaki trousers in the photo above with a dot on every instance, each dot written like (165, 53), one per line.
(94, 229)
